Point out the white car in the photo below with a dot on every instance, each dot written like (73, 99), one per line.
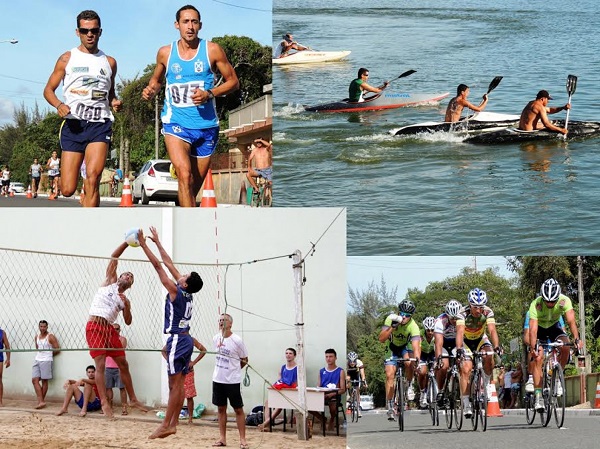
(154, 182)
(366, 402)
(17, 187)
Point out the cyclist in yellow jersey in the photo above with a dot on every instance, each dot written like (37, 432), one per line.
(470, 332)
(544, 314)
(398, 331)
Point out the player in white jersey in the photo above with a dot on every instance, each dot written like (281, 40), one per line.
(88, 77)
(190, 124)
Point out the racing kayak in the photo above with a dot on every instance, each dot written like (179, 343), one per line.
(577, 130)
(310, 56)
(479, 121)
(385, 100)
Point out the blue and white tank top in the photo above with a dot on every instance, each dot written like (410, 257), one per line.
(178, 313)
(183, 78)
(1, 345)
(87, 83)
(289, 376)
(330, 377)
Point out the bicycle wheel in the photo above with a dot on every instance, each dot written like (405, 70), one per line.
(354, 405)
(546, 415)
(400, 402)
(529, 402)
(483, 403)
(474, 398)
(432, 400)
(458, 403)
(558, 402)
(448, 404)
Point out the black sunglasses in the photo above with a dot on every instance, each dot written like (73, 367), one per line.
(89, 30)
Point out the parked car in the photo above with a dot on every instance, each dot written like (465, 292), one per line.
(366, 402)
(17, 187)
(154, 182)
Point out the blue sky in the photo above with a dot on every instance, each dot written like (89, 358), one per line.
(413, 272)
(133, 30)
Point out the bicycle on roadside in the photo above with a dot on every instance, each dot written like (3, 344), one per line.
(354, 403)
(432, 391)
(400, 385)
(554, 389)
(452, 403)
(478, 391)
(263, 197)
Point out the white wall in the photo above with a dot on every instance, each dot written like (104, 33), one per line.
(260, 290)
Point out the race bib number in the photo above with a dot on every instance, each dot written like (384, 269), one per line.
(90, 113)
(53, 172)
(181, 94)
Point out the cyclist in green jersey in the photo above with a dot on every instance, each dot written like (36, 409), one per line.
(427, 355)
(358, 85)
(544, 314)
(397, 332)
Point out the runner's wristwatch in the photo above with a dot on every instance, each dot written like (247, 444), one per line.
(210, 94)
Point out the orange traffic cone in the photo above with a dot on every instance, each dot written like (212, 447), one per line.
(493, 409)
(126, 198)
(29, 194)
(208, 194)
(597, 401)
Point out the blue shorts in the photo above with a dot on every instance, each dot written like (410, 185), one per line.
(75, 135)
(179, 353)
(92, 406)
(203, 141)
(266, 173)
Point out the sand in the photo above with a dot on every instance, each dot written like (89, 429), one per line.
(25, 428)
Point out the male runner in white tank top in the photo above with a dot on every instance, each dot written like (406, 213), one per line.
(88, 77)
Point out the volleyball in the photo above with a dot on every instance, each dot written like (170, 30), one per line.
(131, 237)
(172, 171)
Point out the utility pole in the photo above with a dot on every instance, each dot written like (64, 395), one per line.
(156, 130)
(581, 302)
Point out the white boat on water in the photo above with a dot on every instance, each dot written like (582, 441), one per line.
(311, 56)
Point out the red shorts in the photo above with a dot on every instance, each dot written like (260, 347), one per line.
(188, 385)
(100, 337)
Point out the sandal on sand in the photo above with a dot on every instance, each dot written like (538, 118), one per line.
(219, 444)
(124, 412)
(244, 446)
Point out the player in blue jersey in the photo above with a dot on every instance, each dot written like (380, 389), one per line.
(178, 313)
(189, 116)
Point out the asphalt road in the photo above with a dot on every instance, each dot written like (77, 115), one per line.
(21, 200)
(374, 431)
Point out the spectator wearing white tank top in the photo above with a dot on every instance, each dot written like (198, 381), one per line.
(47, 346)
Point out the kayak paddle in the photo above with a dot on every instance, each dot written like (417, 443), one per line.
(571, 86)
(494, 84)
(402, 75)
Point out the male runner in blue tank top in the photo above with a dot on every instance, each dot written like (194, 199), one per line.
(189, 116)
(178, 313)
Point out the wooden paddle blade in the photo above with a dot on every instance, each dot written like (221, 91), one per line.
(494, 83)
(571, 84)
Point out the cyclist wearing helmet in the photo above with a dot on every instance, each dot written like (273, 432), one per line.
(445, 341)
(544, 314)
(398, 331)
(355, 375)
(470, 332)
(427, 355)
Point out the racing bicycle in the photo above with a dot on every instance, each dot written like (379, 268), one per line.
(478, 392)
(554, 389)
(400, 391)
(453, 404)
(353, 393)
(431, 392)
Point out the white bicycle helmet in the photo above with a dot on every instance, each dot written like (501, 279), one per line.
(550, 290)
(477, 297)
(352, 357)
(407, 307)
(453, 308)
(429, 323)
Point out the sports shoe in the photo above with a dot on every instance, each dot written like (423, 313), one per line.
(559, 389)
(424, 399)
(539, 404)
(410, 393)
(468, 411)
(529, 388)
(390, 414)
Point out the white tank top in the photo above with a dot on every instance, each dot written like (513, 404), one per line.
(54, 167)
(44, 356)
(86, 86)
(107, 303)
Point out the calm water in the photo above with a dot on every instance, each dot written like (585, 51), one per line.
(437, 195)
